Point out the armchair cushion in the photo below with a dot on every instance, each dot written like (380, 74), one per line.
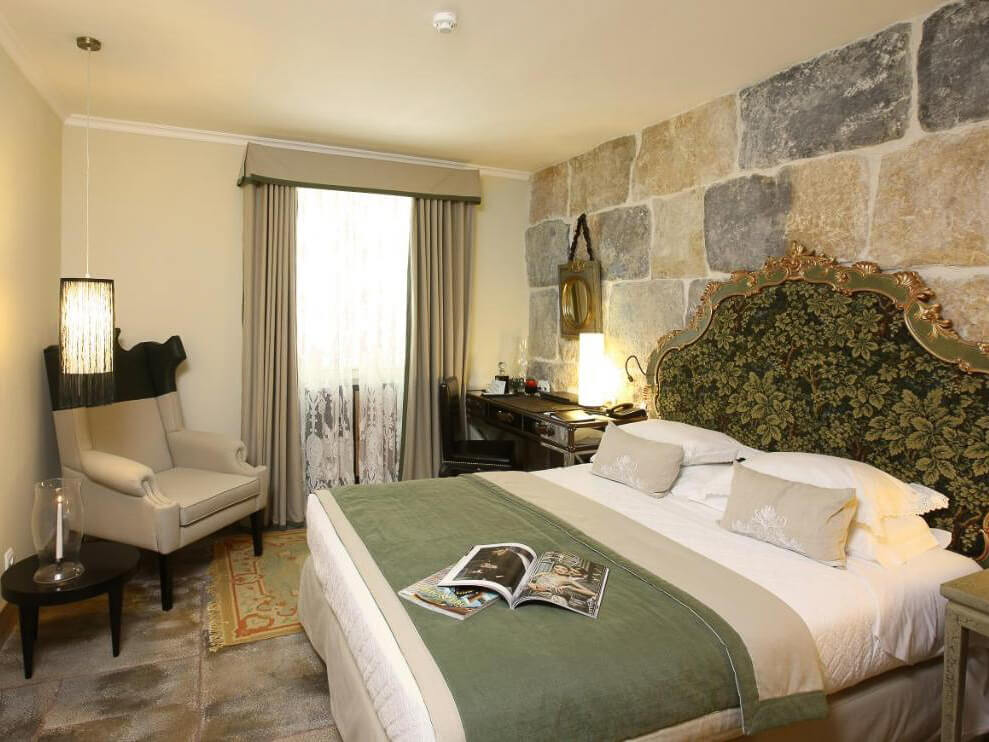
(117, 473)
(131, 429)
(200, 493)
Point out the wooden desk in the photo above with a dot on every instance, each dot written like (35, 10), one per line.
(545, 440)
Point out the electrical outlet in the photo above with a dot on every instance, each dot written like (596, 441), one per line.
(8, 559)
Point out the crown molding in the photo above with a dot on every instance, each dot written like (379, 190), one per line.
(31, 71)
(222, 137)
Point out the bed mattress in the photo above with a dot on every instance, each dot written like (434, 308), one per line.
(865, 620)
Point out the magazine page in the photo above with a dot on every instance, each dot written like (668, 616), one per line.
(498, 567)
(456, 602)
(566, 580)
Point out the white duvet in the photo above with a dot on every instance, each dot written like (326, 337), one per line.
(864, 619)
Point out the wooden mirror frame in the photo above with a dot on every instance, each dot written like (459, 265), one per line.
(587, 272)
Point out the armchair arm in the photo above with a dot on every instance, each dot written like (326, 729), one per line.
(211, 451)
(117, 473)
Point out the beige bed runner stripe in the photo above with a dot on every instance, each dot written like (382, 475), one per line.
(443, 713)
(758, 616)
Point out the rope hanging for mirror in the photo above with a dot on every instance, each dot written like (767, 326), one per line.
(580, 229)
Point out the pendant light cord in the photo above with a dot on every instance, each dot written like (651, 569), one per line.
(89, 58)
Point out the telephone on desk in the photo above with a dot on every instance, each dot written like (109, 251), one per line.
(624, 411)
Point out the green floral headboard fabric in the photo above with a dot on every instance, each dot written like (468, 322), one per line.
(808, 355)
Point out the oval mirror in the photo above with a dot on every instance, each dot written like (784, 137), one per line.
(575, 301)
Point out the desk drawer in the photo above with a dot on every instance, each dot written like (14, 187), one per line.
(558, 435)
(504, 417)
(476, 407)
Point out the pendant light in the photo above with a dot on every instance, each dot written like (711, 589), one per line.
(86, 312)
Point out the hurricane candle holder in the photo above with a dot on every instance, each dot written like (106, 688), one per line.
(56, 526)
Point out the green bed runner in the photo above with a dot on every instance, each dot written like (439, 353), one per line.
(655, 657)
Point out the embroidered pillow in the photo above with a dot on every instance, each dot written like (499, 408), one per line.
(647, 466)
(809, 520)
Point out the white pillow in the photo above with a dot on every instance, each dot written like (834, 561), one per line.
(693, 481)
(700, 445)
(906, 537)
(879, 495)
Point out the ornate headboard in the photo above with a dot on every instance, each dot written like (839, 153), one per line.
(809, 355)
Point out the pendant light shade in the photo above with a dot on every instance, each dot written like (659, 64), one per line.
(85, 342)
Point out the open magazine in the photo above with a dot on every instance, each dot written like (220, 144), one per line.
(456, 602)
(518, 575)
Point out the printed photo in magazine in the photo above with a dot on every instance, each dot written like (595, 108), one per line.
(456, 602)
(515, 572)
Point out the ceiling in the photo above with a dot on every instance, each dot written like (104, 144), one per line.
(520, 84)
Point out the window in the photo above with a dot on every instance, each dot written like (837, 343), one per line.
(351, 290)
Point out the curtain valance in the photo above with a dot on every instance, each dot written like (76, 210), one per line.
(294, 167)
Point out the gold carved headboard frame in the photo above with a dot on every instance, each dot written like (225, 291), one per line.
(807, 354)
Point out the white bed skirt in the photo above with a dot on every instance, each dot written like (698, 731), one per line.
(901, 704)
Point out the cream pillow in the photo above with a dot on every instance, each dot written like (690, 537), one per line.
(647, 466)
(700, 445)
(906, 536)
(809, 520)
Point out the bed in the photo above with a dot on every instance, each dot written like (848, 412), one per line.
(873, 634)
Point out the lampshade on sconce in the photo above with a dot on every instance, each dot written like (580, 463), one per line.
(592, 376)
(85, 342)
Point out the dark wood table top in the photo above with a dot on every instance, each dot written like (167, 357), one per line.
(529, 403)
(106, 564)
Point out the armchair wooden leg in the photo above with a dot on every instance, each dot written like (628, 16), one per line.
(165, 576)
(256, 525)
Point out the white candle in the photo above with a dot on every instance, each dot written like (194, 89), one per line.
(58, 529)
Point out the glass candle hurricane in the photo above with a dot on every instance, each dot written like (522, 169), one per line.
(56, 526)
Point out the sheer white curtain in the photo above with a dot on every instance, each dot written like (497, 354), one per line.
(352, 283)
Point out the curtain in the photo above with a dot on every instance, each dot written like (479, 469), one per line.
(439, 287)
(352, 287)
(269, 393)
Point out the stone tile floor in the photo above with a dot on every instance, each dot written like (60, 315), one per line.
(166, 684)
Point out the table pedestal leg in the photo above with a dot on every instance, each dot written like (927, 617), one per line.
(115, 597)
(29, 632)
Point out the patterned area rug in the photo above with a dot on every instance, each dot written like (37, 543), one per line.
(254, 598)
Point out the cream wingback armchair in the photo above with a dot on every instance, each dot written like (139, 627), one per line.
(146, 480)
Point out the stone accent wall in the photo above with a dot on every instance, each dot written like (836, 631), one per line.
(875, 151)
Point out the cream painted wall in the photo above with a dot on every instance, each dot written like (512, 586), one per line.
(500, 300)
(30, 150)
(166, 225)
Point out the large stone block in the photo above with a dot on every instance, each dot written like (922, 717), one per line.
(561, 375)
(692, 149)
(620, 238)
(850, 97)
(548, 193)
(678, 236)
(544, 323)
(953, 66)
(639, 313)
(745, 222)
(965, 301)
(599, 178)
(545, 248)
(932, 206)
(829, 205)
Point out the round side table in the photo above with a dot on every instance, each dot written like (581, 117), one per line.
(108, 568)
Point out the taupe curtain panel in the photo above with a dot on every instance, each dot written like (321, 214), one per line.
(306, 169)
(439, 301)
(270, 424)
